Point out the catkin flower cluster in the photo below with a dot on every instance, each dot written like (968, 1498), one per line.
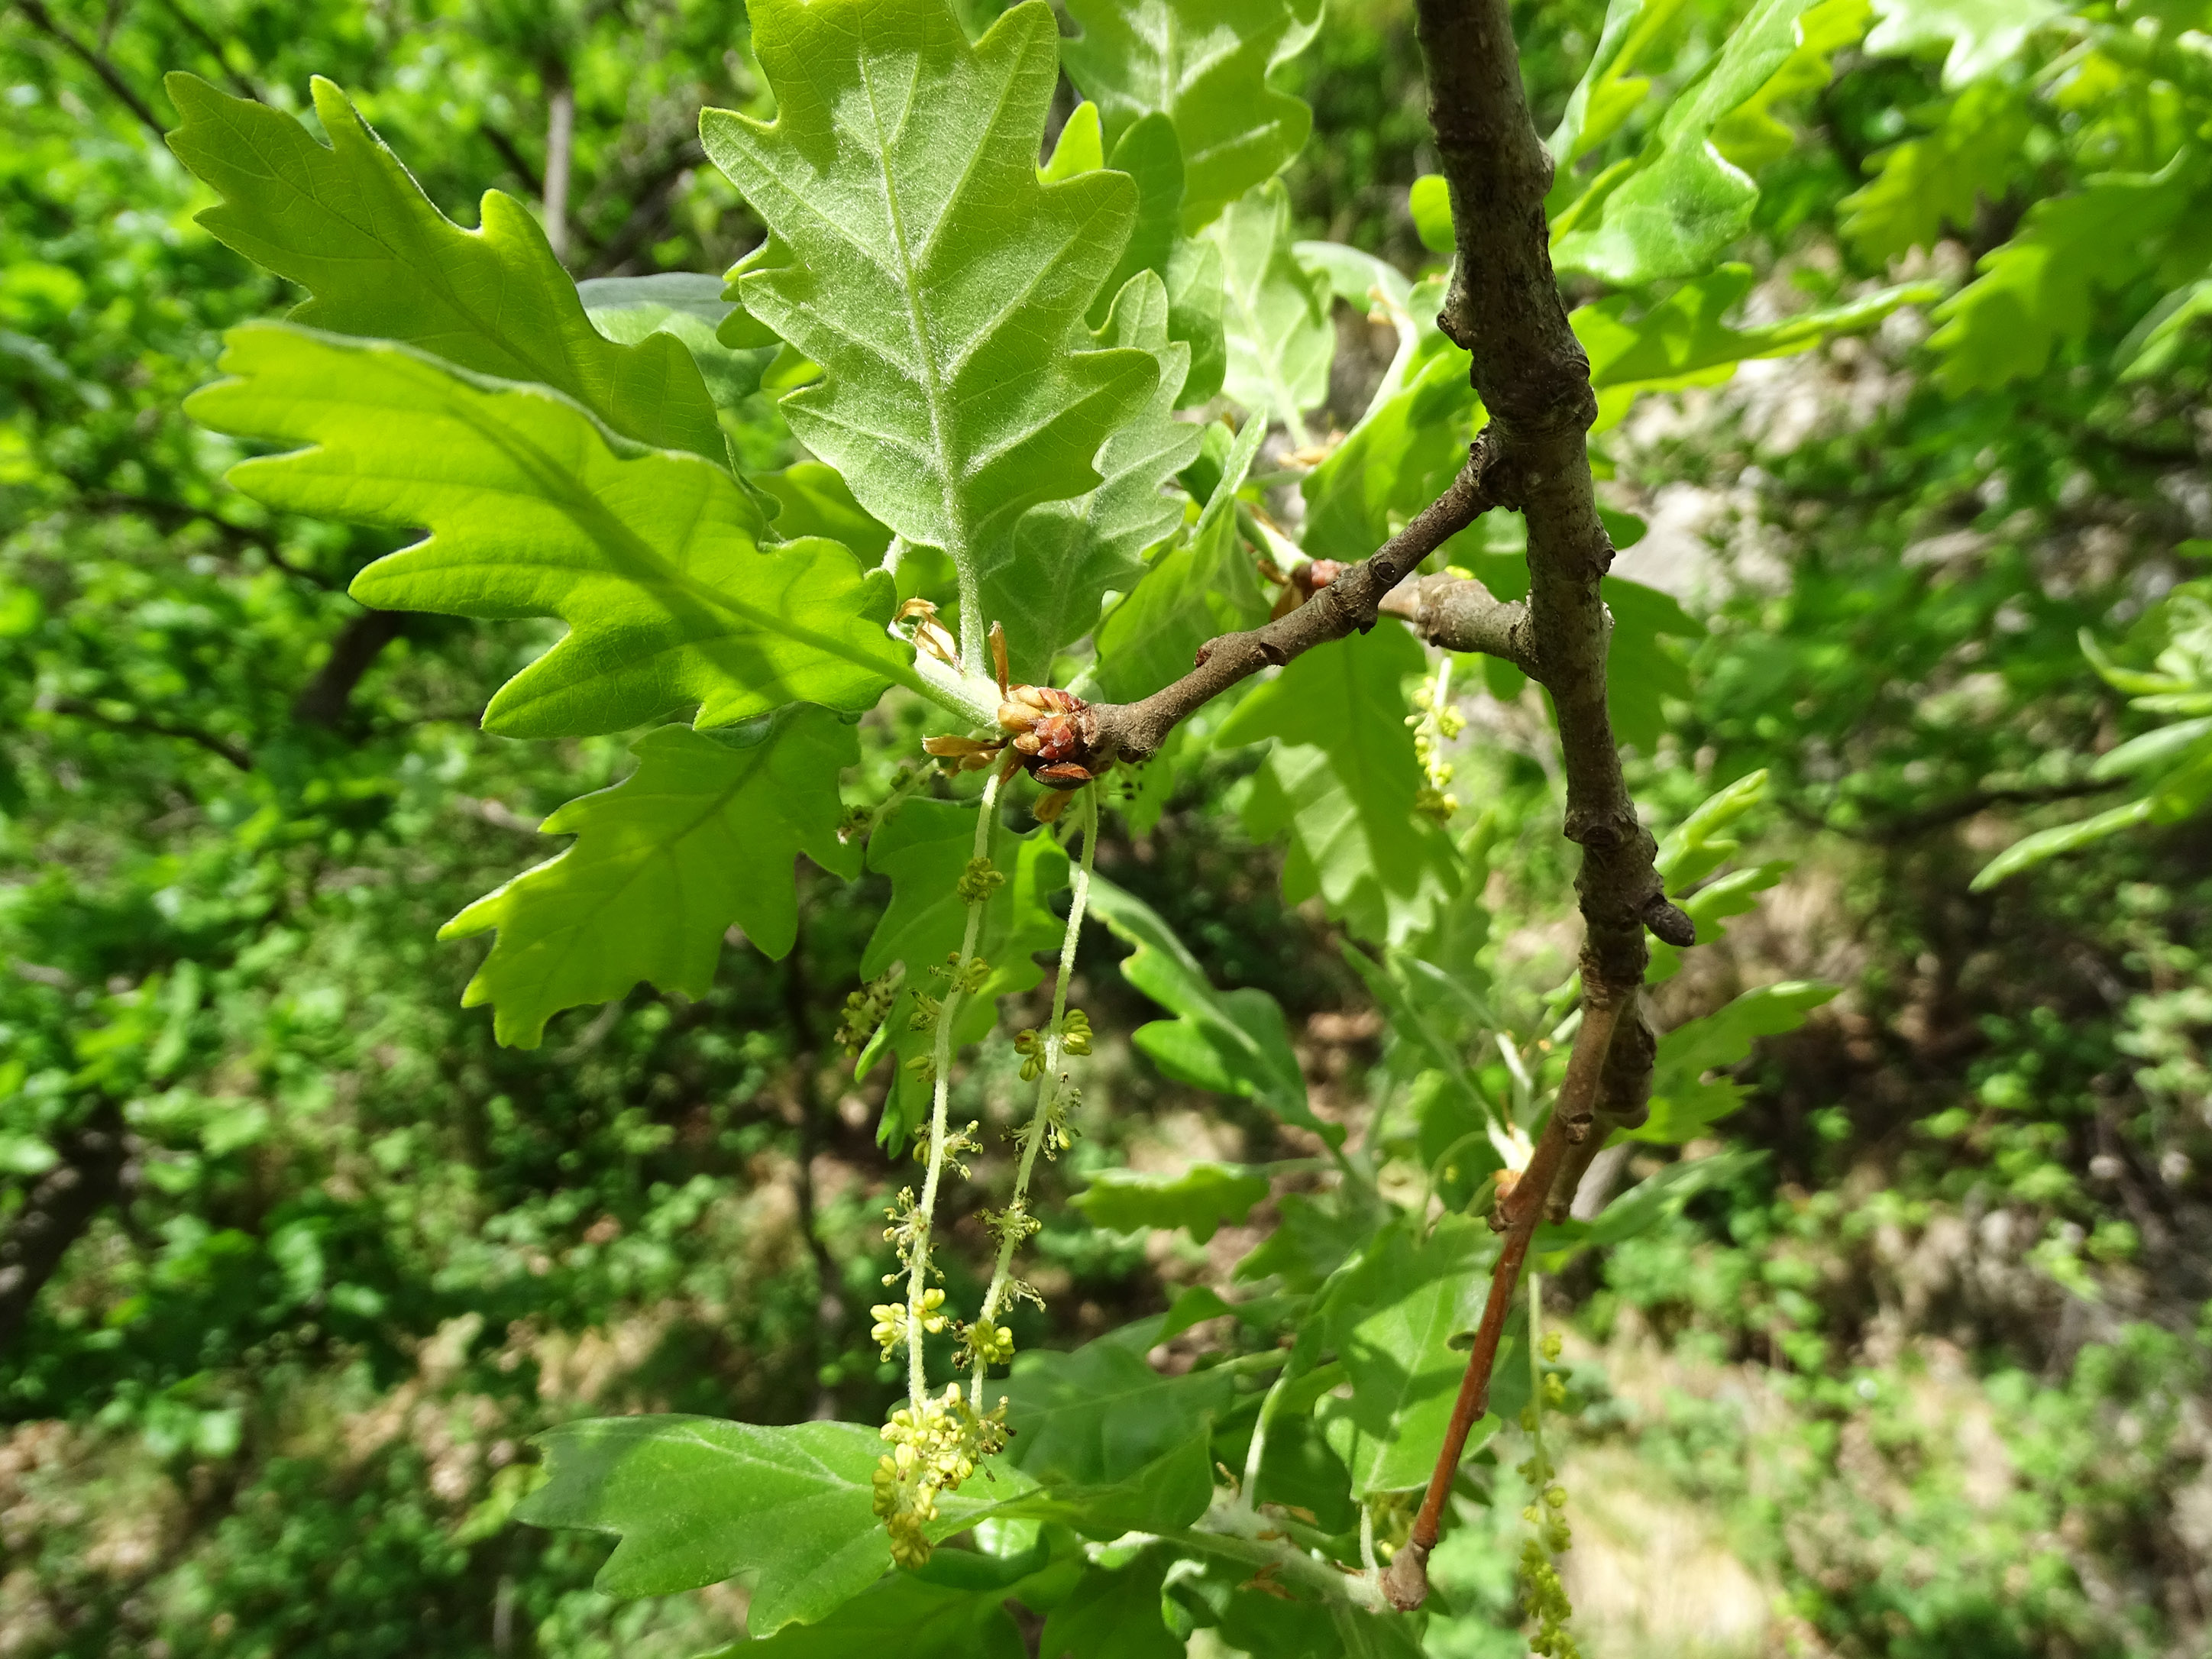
(934, 1446)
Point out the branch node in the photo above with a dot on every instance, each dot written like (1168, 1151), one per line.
(1406, 1580)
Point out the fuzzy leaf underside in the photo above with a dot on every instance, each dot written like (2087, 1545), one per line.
(1204, 64)
(1066, 555)
(1201, 587)
(347, 222)
(1275, 311)
(700, 837)
(690, 309)
(937, 282)
(651, 558)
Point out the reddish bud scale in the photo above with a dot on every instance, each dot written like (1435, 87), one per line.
(1047, 735)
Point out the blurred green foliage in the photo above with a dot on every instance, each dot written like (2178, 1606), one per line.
(346, 1253)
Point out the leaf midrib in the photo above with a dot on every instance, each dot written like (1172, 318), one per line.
(612, 536)
(962, 554)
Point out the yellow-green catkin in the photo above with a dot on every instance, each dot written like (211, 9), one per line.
(1543, 1593)
(1436, 724)
(935, 1442)
(987, 1342)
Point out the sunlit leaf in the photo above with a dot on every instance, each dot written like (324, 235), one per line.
(1683, 340)
(936, 282)
(1981, 34)
(1199, 1200)
(695, 1500)
(1391, 1320)
(1685, 202)
(349, 223)
(1924, 185)
(2046, 844)
(1066, 555)
(1682, 1103)
(1204, 64)
(1276, 312)
(2035, 293)
(699, 838)
(651, 558)
(1234, 1042)
(688, 308)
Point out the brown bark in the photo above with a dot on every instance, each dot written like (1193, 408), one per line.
(60, 1207)
(1504, 307)
(323, 701)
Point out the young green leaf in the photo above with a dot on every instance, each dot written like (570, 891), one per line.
(1151, 155)
(937, 282)
(700, 837)
(1048, 583)
(1685, 202)
(924, 848)
(1234, 1042)
(690, 309)
(811, 500)
(2055, 842)
(1115, 1614)
(1683, 342)
(2034, 292)
(1751, 136)
(1982, 35)
(1606, 95)
(1925, 184)
(1343, 783)
(1203, 588)
(695, 1500)
(1199, 1200)
(911, 1617)
(1195, 306)
(1313, 1237)
(1393, 464)
(1643, 1205)
(1080, 148)
(1682, 1103)
(1276, 313)
(1149, 152)
(1204, 64)
(653, 558)
(349, 224)
(1391, 1319)
(1429, 201)
(1096, 1416)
